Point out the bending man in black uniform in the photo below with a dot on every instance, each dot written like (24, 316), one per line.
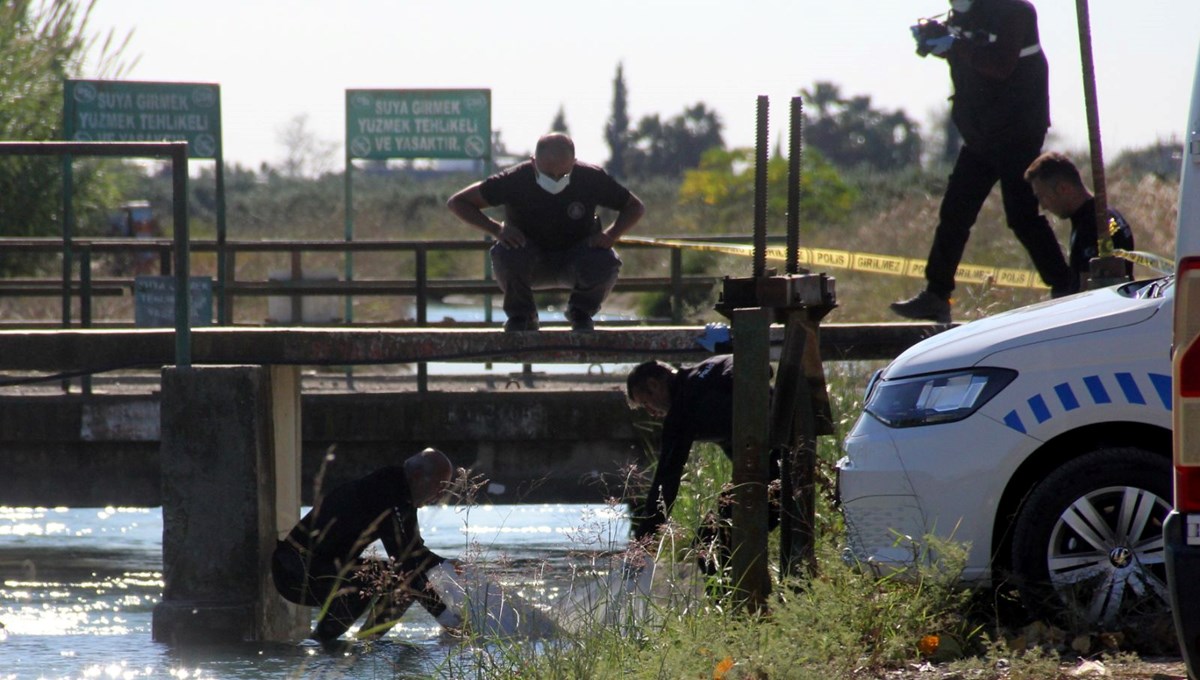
(551, 234)
(1060, 191)
(695, 404)
(320, 563)
(1001, 107)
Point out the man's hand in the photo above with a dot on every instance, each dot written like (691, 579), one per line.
(940, 46)
(510, 237)
(603, 240)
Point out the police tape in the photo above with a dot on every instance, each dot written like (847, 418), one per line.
(818, 258)
(1158, 263)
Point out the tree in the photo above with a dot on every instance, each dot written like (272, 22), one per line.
(851, 133)
(41, 44)
(671, 148)
(560, 122)
(306, 154)
(616, 130)
(724, 185)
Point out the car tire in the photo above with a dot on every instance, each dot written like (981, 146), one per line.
(1088, 544)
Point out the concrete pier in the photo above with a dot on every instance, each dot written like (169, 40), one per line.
(229, 489)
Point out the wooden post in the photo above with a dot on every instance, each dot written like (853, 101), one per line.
(794, 435)
(1092, 110)
(751, 396)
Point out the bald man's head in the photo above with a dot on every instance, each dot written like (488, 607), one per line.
(429, 474)
(554, 145)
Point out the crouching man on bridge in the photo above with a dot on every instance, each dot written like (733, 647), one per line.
(320, 562)
(551, 234)
(695, 403)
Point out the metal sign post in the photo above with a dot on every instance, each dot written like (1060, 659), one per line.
(413, 124)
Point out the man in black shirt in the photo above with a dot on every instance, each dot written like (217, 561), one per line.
(695, 404)
(1001, 107)
(1060, 191)
(320, 563)
(551, 234)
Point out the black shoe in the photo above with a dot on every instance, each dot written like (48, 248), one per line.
(580, 322)
(517, 323)
(924, 306)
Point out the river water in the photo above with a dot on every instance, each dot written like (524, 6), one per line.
(78, 587)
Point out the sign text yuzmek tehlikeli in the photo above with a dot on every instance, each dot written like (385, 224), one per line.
(132, 111)
(443, 124)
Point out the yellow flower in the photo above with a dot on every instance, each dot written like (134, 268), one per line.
(928, 645)
(722, 668)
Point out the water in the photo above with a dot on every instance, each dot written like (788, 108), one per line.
(78, 587)
(474, 313)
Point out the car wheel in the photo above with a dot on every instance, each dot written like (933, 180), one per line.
(1088, 544)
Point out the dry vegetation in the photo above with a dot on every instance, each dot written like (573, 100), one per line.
(895, 215)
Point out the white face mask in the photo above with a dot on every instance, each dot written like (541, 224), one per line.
(553, 186)
(961, 6)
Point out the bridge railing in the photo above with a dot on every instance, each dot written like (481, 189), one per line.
(229, 290)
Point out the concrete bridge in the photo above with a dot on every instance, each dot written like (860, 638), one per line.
(555, 443)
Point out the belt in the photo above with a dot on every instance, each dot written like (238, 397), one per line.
(1031, 50)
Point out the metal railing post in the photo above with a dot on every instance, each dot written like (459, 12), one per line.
(676, 285)
(179, 188)
(422, 311)
(85, 303)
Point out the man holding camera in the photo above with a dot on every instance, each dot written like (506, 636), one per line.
(1001, 107)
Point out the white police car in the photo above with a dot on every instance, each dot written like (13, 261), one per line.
(1041, 438)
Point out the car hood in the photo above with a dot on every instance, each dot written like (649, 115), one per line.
(972, 343)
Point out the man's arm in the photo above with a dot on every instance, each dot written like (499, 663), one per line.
(998, 59)
(412, 562)
(468, 204)
(665, 486)
(626, 219)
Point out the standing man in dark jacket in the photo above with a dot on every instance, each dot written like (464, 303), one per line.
(1060, 191)
(1001, 107)
(320, 564)
(695, 404)
(551, 234)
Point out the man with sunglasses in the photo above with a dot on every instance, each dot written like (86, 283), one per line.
(551, 235)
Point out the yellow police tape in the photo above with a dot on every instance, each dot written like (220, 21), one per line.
(820, 258)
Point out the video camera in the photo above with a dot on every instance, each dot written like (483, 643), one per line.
(927, 32)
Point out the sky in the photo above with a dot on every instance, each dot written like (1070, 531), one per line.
(276, 60)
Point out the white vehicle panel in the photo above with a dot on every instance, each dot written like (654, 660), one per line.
(1098, 357)
(1070, 317)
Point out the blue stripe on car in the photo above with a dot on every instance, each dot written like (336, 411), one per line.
(1130, 392)
(1096, 389)
(1066, 396)
(1162, 385)
(1130, 388)
(1014, 421)
(1039, 408)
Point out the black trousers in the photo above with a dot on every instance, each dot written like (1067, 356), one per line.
(589, 272)
(315, 582)
(714, 536)
(975, 173)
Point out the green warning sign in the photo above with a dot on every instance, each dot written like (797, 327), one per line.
(451, 124)
(131, 111)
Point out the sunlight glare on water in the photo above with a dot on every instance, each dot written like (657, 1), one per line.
(78, 588)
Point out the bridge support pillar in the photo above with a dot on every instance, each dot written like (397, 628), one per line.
(230, 458)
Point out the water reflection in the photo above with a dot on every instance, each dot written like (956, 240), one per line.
(78, 588)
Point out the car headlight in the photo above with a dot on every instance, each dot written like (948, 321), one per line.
(935, 398)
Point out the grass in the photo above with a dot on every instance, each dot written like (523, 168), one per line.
(843, 622)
